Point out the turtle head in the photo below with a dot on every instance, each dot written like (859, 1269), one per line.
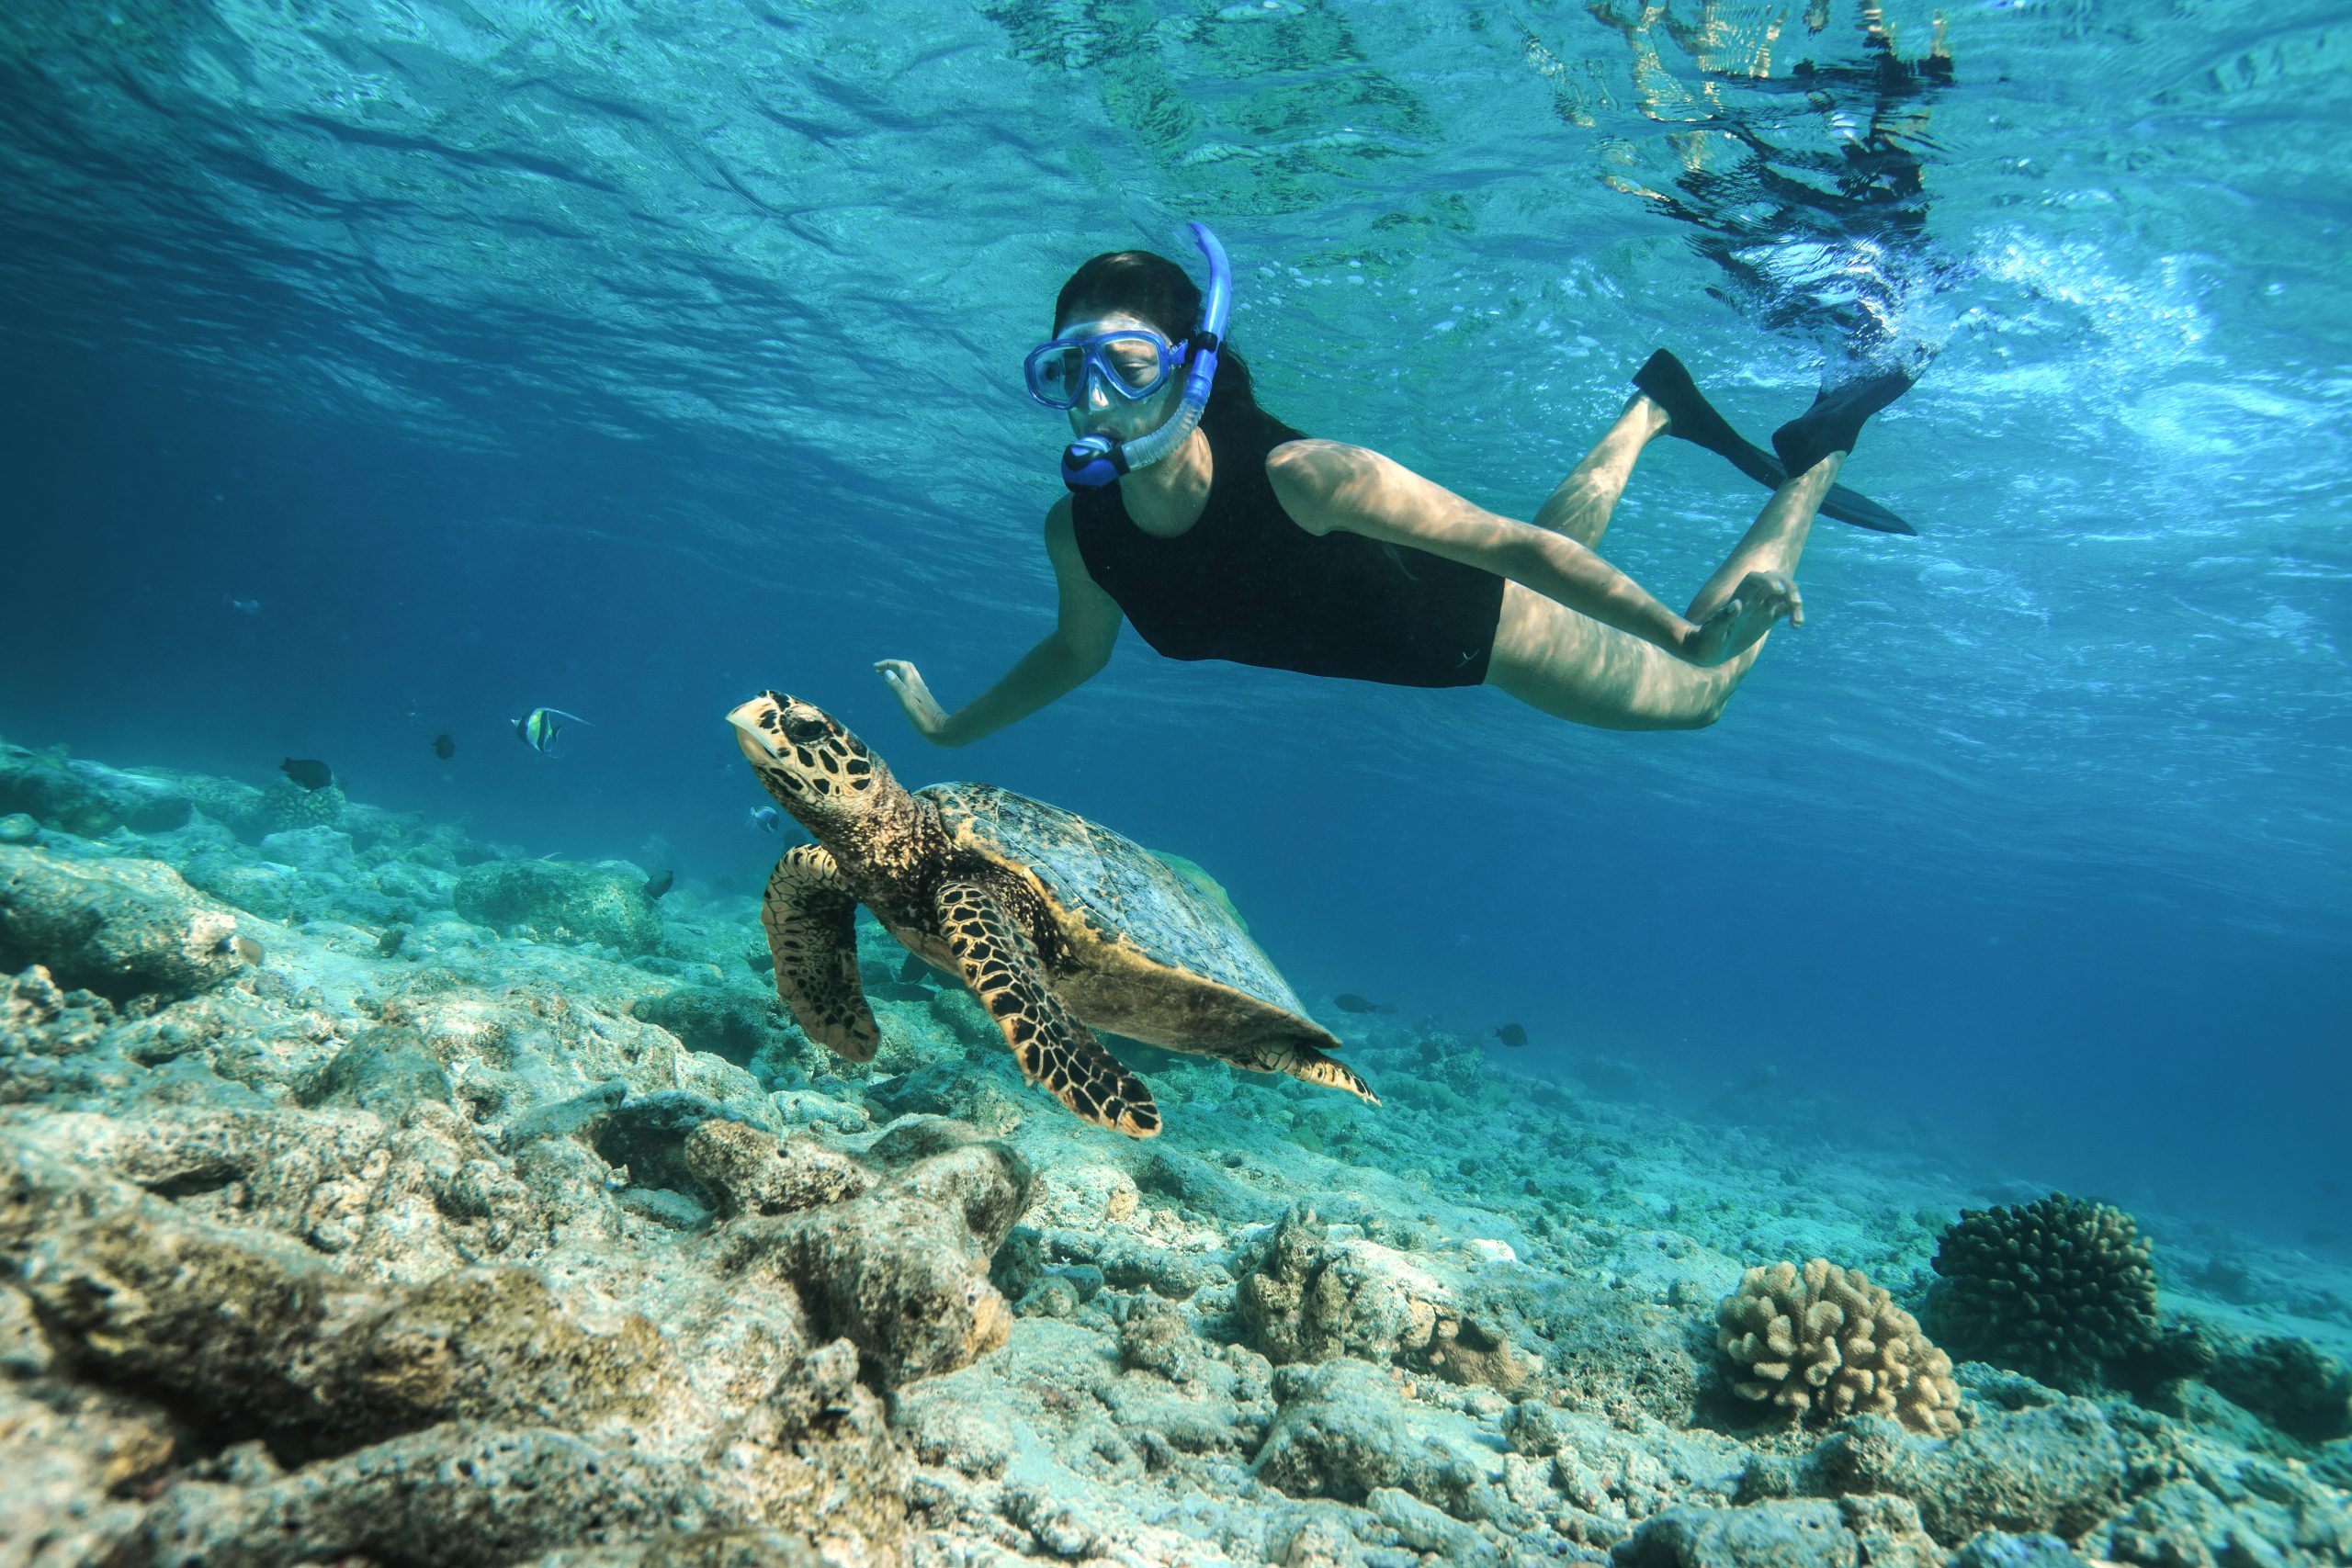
(807, 759)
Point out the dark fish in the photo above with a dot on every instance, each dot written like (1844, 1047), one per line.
(444, 747)
(660, 882)
(1348, 1002)
(243, 949)
(1511, 1035)
(390, 942)
(309, 772)
(914, 970)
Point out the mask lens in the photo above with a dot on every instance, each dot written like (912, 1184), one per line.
(1133, 365)
(1133, 362)
(1055, 373)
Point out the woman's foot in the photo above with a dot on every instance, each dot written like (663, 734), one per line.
(1834, 422)
(1740, 621)
(1667, 383)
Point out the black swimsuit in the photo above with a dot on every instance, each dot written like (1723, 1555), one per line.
(1247, 584)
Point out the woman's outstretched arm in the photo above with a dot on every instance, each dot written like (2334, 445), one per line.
(1328, 485)
(1085, 629)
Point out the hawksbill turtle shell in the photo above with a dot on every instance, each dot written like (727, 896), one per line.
(1171, 962)
(1053, 921)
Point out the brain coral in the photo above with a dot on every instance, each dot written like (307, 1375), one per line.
(2052, 1288)
(1825, 1342)
(286, 805)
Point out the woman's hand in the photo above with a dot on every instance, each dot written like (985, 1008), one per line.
(923, 711)
(1763, 597)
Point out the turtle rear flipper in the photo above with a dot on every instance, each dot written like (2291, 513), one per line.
(809, 917)
(1053, 1048)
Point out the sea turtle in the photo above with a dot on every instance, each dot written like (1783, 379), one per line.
(1052, 922)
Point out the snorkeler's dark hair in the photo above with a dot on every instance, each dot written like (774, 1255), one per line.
(1145, 284)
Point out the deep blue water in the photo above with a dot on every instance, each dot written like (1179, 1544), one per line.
(631, 359)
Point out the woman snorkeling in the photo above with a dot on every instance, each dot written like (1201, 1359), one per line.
(1222, 533)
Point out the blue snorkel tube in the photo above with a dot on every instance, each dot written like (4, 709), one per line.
(1092, 461)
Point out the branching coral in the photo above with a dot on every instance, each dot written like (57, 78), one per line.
(1824, 1342)
(2052, 1288)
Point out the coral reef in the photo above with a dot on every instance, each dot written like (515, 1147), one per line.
(1310, 1297)
(2290, 1383)
(900, 1270)
(2054, 1288)
(85, 798)
(603, 906)
(479, 1216)
(288, 807)
(2056, 1468)
(126, 931)
(1825, 1343)
(483, 1400)
(726, 1021)
(1794, 1534)
(147, 1264)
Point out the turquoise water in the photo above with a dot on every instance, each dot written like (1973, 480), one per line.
(630, 359)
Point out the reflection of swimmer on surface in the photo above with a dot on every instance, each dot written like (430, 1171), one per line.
(1805, 181)
(1222, 533)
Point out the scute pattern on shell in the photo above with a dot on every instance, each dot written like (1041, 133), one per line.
(1115, 885)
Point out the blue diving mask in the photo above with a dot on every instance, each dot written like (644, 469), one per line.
(1134, 365)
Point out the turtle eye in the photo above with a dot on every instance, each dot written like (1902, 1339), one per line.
(806, 731)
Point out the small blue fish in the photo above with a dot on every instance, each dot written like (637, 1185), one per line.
(766, 818)
(538, 729)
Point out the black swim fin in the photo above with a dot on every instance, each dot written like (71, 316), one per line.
(1695, 420)
(1834, 422)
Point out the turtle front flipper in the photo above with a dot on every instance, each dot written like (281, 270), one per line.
(810, 919)
(1052, 1047)
(1310, 1066)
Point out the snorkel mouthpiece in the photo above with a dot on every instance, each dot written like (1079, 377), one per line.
(1092, 461)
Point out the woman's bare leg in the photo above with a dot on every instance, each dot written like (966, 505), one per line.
(1774, 541)
(1581, 506)
(1572, 667)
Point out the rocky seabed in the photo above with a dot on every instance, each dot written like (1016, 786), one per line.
(372, 1195)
